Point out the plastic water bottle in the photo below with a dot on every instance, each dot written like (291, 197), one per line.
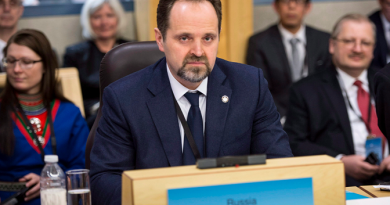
(53, 189)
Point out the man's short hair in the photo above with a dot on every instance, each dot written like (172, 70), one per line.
(351, 17)
(164, 9)
(90, 6)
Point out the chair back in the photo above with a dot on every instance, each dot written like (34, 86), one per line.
(119, 62)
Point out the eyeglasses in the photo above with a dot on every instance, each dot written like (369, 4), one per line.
(353, 42)
(24, 64)
(11, 3)
(300, 2)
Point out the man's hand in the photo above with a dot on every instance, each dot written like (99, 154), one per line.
(32, 180)
(356, 167)
(385, 165)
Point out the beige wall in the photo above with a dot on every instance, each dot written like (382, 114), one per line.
(63, 31)
(323, 14)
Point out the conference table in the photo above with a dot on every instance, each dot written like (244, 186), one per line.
(362, 195)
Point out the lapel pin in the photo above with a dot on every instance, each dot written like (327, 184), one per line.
(225, 99)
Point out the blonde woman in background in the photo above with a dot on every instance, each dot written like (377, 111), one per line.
(103, 23)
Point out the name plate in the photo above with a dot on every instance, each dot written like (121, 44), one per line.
(290, 191)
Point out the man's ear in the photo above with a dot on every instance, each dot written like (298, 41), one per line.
(159, 39)
(307, 8)
(275, 7)
(331, 46)
(21, 10)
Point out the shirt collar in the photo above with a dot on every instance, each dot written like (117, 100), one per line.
(287, 35)
(349, 80)
(179, 90)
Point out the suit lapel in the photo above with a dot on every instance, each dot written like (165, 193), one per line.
(216, 111)
(279, 47)
(163, 113)
(335, 96)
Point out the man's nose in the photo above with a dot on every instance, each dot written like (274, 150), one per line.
(197, 49)
(357, 47)
(6, 7)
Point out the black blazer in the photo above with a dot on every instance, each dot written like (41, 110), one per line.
(86, 57)
(317, 120)
(380, 52)
(266, 51)
(382, 99)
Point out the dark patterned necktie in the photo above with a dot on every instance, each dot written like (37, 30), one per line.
(195, 123)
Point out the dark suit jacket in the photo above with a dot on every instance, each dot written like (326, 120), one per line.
(317, 119)
(266, 51)
(382, 99)
(86, 57)
(380, 52)
(139, 128)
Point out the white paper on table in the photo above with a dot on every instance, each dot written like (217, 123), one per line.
(370, 201)
(383, 187)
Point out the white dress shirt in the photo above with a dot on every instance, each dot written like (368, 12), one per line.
(358, 128)
(386, 29)
(178, 91)
(2, 46)
(301, 46)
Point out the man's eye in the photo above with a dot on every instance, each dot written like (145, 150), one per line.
(348, 41)
(184, 38)
(208, 39)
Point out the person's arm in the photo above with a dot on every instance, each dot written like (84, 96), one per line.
(77, 140)
(267, 134)
(382, 100)
(254, 57)
(297, 127)
(112, 152)
(68, 59)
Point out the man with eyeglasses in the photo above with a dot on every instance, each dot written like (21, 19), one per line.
(332, 112)
(381, 20)
(10, 13)
(289, 50)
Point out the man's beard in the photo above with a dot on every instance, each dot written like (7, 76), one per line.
(194, 74)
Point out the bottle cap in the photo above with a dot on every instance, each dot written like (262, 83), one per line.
(51, 158)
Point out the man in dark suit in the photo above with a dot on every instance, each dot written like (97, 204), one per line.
(381, 20)
(382, 100)
(228, 106)
(330, 112)
(288, 51)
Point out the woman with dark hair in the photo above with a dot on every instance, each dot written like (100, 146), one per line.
(36, 119)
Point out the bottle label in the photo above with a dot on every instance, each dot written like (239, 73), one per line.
(52, 196)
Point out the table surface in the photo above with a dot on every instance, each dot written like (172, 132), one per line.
(371, 189)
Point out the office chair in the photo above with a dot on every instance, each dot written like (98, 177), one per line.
(122, 60)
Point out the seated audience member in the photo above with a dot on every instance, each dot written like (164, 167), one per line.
(10, 13)
(31, 101)
(381, 20)
(289, 50)
(329, 111)
(103, 23)
(228, 106)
